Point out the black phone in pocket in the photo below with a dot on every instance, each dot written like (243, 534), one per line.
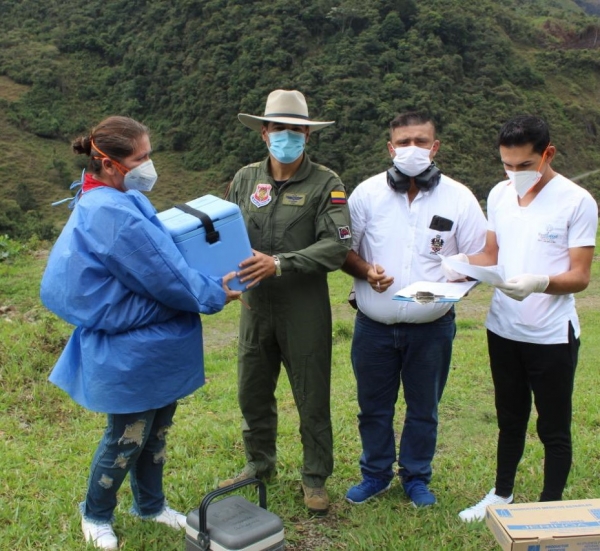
(439, 223)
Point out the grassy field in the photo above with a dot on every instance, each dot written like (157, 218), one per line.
(46, 441)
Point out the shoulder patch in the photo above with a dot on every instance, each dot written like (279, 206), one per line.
(344, 232)
(338, 198)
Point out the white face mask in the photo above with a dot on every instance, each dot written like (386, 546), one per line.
(142, 177)
(412, 160)
(523, 180)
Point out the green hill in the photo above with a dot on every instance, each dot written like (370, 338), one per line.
(187, 67)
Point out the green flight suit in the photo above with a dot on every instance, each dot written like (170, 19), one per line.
(306, 223)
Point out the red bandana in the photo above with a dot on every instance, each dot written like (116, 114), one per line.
(90, 182)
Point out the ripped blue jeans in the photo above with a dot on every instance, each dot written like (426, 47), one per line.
(132, 443)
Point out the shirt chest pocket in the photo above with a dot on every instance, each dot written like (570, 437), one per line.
(438, 236)
(552, 235)
(296, 223)
(257, 224)
(281, 227)
(434, 242)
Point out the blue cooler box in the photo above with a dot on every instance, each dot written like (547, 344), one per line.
(211, 235)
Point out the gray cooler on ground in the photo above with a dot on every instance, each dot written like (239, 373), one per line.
(211, 235)
(233, 523)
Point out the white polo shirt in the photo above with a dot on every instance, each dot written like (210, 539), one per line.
(536, 240)
(388, 231)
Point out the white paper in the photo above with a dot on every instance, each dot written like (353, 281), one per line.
(441, 291)
(494, 275)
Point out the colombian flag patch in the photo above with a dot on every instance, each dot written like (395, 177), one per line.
(338, 198)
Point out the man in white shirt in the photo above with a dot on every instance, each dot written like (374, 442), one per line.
(401, 220)
(542, 230)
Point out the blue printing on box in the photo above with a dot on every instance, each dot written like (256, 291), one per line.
(555, 525)
(189, 235)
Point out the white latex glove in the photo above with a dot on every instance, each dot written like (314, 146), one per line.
(522, 286)
(452, 275)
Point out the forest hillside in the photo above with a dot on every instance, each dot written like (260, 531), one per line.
(187, 68)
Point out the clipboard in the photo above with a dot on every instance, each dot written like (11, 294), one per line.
(426, 292)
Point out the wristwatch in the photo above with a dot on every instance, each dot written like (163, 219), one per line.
(277, 265)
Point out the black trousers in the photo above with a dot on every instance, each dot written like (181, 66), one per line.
(520, 369)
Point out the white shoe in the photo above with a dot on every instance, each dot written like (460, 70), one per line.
(171, 518)
(100, 535)
(477, 512)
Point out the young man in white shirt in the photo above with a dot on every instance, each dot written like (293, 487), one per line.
(401, 220)
(542, 230)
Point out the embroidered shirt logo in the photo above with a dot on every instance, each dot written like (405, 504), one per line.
(262, 195)
(550, 236)
(436, 244)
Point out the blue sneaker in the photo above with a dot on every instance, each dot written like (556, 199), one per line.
(419, 493)
(368, 488)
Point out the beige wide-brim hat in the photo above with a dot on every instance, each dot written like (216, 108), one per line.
(286, 107)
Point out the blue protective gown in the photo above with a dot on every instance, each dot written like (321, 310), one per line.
(116, 274)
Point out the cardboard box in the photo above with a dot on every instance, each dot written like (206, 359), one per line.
(218, 251)
(546, 526)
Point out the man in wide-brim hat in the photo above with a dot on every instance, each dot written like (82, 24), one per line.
(299, 227)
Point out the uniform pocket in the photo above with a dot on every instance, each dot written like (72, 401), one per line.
(552, 235)
(437, 242)
(295, 220)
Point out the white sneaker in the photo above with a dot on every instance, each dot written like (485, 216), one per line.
(171, 518)
(100, 535)
(477, 512)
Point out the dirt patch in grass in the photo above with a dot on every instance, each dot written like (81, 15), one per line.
(7, 312)
(312, 534)
(10, 90)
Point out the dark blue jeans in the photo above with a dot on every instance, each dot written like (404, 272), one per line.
(133, 443)
(383, 356)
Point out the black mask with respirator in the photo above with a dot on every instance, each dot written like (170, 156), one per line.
(425, 181)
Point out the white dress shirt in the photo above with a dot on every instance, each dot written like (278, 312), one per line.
(386, 230)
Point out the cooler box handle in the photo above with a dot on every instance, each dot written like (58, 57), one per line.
(212, 235)
(262, 498)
